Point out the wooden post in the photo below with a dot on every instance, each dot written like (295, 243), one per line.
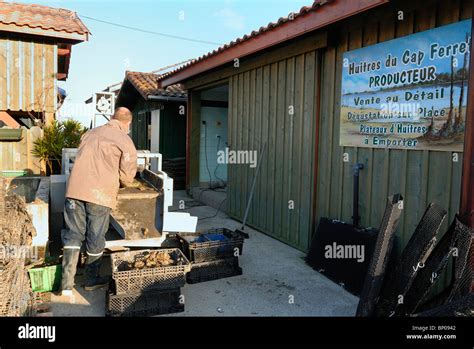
(189, 117)
(467, 184)
(2, 206)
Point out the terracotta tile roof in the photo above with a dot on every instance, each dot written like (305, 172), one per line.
(272, 25)
(147, 85)
(41, 17)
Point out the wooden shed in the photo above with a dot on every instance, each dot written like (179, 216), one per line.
(35, 51)
(284, 87)
(159, 120)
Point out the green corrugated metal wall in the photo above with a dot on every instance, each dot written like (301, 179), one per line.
(259, 101)
(421, 176)
(139, 130)
(172, 132)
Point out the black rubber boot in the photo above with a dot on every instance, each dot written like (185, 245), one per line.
(93, 280)
(70, 258)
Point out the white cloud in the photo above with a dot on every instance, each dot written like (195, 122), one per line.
(230, 19)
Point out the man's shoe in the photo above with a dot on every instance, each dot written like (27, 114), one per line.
(97, 283)
(93, 280)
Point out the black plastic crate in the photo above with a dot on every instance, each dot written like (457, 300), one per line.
(213, 270)
(199, 248)
(148, 303)
(156, 278)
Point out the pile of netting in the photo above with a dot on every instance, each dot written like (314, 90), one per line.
(16, 233)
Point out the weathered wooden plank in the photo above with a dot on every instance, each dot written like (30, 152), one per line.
(7, 156)
(232, 169)
(22, 164)
(366, 155)
(3, 74)
(456, 177)
(230, 136)
(235, 115)
(381, 159)
(50, 76)
(244, 168)
(354, 42)
(38, 78)
(265, 138)
(14, 66)
(399, 158)
(425, 19)
(417, 163)
(258, 143)
(26, 101)
(307, 173)
(425, 174)
(448, 12)
(337, 162)
(252, 138)
(442, 183)
(280, 207)
(195, 137)
(325, 133)
(272, 145)
(466, 9)
(297, 148)
(413, 193)
(288, 170)
(238, 145)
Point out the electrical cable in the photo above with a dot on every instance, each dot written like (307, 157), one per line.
(203, 190)
(187, 208)
(150, 31)
(217, 211)
(205, 154)
(217, 166)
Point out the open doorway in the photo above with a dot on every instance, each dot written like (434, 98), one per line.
(213, 136)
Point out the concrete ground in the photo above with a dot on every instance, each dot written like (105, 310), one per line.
(275, 282)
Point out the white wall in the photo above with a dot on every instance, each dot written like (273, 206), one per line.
(155, 137)
(216, 124)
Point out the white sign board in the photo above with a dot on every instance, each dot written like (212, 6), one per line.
(104, 106)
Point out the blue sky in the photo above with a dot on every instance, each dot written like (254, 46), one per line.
(111, 51)
(449, 34)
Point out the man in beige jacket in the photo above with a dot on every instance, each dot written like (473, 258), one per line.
(105, 160)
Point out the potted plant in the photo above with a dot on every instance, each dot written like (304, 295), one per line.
(56, 136)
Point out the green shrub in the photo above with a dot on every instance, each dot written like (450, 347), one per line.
(56, 136)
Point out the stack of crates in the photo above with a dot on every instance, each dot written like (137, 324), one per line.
(214, 254)
(148, 291)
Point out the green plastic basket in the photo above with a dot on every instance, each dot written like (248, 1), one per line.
(13, 173)
(45, 279)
